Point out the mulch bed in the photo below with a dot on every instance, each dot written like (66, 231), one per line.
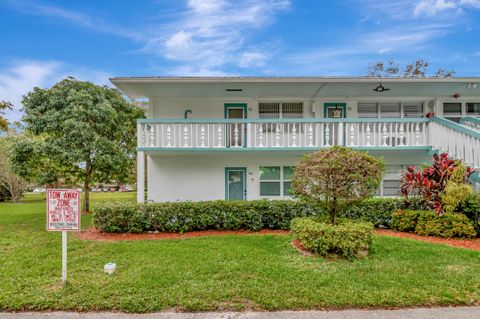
(473, 244)
(93, 234)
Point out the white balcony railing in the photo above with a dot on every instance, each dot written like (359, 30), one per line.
(459, 141)
(282, 133)
(471, 122)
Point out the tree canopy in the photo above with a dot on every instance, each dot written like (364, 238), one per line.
(417, 69)
(337, 176)
(4, 105)
(77, 131)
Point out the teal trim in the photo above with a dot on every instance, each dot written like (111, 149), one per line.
(243, 106)
(235, 106)
(303, 120)
(475, 177)
(471, 119)
(276, 149)
(244, 170)
(326, 106)
(455, 126)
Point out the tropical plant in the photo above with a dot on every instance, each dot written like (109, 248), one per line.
(428, 185)
(336, 177)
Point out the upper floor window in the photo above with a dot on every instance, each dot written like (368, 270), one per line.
(452, 110)
(280, 110)
(390, 109)
(473, 108)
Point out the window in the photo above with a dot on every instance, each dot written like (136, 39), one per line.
(275, 180)
(390, 109)
(473, 108)
(367, 110)
(452, 108)
(391, 187)
(269, 110)
(280, 110)
(412, 110)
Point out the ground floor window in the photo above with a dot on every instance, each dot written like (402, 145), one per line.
(275, 180)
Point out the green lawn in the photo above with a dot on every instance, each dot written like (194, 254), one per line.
(218, 273)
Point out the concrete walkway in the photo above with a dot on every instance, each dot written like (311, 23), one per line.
(420, 313)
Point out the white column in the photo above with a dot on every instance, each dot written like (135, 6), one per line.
(140, 177)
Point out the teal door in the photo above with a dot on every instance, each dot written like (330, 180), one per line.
(235, 183)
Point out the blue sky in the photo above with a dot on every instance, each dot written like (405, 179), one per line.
(44, 41)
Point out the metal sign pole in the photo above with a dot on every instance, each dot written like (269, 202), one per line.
(64, 257)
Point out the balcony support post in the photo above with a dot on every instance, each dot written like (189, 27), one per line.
(140, 177)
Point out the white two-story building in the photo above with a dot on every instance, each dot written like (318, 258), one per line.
(209, 138)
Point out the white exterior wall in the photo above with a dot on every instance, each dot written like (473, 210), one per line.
(202, 177)
(215, 108)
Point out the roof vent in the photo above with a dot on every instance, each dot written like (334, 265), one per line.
(234, 90)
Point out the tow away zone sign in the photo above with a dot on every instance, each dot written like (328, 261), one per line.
(63, 209)
(63, 214)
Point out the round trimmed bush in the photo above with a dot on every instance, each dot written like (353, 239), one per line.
(345, 239)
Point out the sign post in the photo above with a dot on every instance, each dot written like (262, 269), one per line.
(63, 214)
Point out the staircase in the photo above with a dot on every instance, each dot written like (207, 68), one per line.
(460, 141)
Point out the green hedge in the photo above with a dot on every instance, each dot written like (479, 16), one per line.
(189, 216)
(471, 209)
(428, 223)
(347, 239)
(227, 215)
(377, 211)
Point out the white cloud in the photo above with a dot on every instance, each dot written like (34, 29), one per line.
(21, 76)
(214, 33)
(409, 9)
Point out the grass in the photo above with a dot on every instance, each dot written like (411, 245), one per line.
(261, 272)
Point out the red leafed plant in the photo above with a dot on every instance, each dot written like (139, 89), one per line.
(429, 184)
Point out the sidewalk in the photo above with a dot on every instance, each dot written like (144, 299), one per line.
(419, 313)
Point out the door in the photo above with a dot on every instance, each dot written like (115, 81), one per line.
(235, 183)
(334, 111)
(236, 132)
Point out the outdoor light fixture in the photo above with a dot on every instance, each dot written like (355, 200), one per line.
(471, 85)
(380, 88)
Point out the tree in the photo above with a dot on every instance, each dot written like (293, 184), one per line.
(80, 131)
(417, 69)
(11, 185)
(336, 177)
(4, 105)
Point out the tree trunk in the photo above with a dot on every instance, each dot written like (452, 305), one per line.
(333, 211)
(86, 197)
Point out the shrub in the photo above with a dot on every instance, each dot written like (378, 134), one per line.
(471, 208)
(428, 223)
(377, 211)
(430, 183)
(188, 216)
(447, 225)
(346, 239)
(405, 220)
(273, 214)
(336, 177)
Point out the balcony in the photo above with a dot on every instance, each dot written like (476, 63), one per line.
(281, 134)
